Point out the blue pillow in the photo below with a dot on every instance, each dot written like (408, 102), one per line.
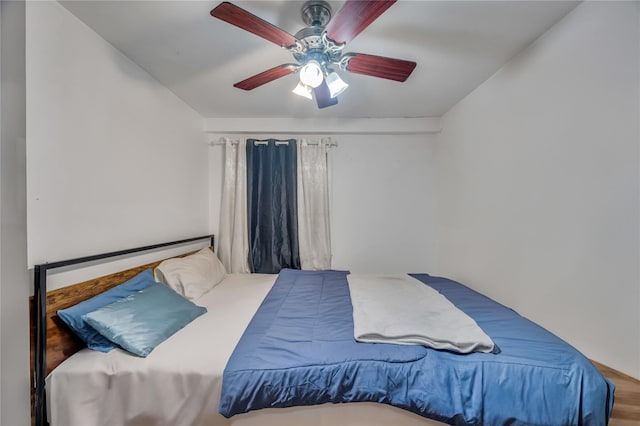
(73, 316)
(141, 321)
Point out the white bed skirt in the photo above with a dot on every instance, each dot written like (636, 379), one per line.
(351, 414)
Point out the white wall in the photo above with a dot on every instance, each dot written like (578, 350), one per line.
(538, 174)
(382, 201)
(14, 279)
(115, 159)
(0, 207)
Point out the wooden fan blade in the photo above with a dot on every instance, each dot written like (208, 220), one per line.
(354, 17)
(266, 76)
(249, 22)
(323, 96)
(380, 66)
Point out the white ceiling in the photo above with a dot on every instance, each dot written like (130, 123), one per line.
(456, 44)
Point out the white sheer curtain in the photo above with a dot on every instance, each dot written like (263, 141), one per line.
(313, 205)
(233, 243)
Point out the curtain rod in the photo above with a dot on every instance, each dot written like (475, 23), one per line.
(330, 142)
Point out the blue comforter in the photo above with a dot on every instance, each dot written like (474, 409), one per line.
(299, 349)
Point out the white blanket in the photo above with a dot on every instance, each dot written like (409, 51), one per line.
(402, 310)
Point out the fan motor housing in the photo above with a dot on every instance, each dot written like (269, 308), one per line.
(316, 13)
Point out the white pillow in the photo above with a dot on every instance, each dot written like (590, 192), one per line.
(193, 275)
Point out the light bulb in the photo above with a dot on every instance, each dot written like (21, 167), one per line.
(311, 74)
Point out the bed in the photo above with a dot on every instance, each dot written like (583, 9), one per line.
(534, 379)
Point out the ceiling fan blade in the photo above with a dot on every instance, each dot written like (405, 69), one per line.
(354, 17)
(380, 66)
(247, 21)
(323, 96)
(266, 76)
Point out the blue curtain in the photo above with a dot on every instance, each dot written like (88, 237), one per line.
(272, 205)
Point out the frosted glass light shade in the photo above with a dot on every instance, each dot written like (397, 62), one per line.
(302, 90)
(336, 84)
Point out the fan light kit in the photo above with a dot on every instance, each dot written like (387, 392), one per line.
(318, 47)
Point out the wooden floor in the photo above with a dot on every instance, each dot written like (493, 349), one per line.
(626, 408)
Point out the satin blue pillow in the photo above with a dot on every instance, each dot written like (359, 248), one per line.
(73, 316)
(141, 321)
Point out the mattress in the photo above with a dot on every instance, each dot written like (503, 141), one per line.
(180, 382)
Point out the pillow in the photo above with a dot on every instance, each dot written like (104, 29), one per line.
(141, 321)
(193, 275)
(73, 316)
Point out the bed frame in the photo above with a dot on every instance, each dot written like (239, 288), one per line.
(52, 341)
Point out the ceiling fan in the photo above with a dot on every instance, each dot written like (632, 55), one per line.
(318, 48)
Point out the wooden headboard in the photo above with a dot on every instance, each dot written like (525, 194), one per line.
(52, 341)
(61, 341)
